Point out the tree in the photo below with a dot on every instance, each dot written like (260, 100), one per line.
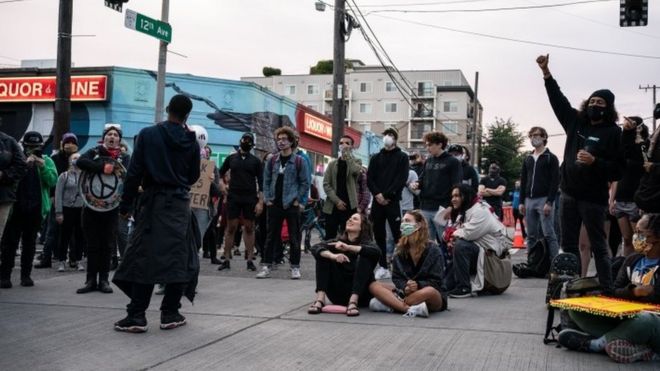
(503, 143)
(271, 71)
(324, 67)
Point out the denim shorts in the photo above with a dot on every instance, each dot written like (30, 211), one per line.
(628, 209)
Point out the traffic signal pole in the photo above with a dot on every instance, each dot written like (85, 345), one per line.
(162, 66)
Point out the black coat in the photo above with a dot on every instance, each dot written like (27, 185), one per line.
(623, 288)
(12, 166)
(429, 271)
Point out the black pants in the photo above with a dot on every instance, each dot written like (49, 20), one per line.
(574, 213)
(122, 237)
(100, 231)
(52, 235)
(517, 217)
(21, 227)
(71, 235)
(261, 233)
(141, 297)
(339, 285)
(276, 215)
(390, 213)
(466, 254)
(615, 237)
(336, 222)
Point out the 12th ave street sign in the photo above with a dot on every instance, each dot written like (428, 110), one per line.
(152, 27)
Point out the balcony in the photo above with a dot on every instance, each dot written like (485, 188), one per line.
(423, 114)
(327, 94)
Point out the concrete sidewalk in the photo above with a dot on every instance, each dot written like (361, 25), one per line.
(241, 323)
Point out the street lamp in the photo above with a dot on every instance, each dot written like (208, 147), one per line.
(320, 6)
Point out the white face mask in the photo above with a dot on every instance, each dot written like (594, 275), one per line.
(388, 141)
(537, 142)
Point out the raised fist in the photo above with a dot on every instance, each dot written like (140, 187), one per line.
(542, 61)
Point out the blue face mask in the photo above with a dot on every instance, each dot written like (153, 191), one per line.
(408, 228)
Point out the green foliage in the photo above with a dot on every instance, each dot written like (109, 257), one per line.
(271, 71)
(322, 68)
(503, 143)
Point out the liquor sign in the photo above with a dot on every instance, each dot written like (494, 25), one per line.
(42, 88)
(318, 127)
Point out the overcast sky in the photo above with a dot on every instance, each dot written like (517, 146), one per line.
(234, 38)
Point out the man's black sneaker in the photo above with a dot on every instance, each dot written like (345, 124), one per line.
(575, 340)
(251, 266)
(460, 293)
(89, 287)
(133, 325)
(27, 282)
(104, 287)
(5, 284)
(224, 264)
(43, 264)
(169, 320)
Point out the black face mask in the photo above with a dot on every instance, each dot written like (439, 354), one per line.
(596, 113)
(246, 146)
(493, 173)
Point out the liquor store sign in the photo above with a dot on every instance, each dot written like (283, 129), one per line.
(318, 128)
(42, 88)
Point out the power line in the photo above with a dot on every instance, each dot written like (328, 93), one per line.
(423, 4)
(523, 7)
(518, 40)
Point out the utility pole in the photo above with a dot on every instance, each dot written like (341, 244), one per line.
(338, 70)
(475, 115)
(162, 65)
(647, 88)
(62, 110)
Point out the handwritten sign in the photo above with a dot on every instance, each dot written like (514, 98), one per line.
(199, 192)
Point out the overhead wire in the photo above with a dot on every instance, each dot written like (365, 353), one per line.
(484, 10)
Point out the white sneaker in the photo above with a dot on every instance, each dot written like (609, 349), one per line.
(61, 267)
(376, 305)
(295, 273)
(382, 273)
(419, 310)
(160, 290)
(265, 272)
(81, 267)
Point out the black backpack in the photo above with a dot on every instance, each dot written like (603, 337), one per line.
(538, 262)
(564, 267)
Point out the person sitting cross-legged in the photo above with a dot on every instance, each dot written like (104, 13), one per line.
(345, 267)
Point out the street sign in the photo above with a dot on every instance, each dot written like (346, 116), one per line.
(152, 27)
(113, 5)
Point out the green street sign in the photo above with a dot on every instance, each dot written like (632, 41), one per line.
(152, 27)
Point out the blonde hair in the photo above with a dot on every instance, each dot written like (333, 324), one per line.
(416, 242)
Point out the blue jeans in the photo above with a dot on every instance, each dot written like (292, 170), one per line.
(537, 222)
(435, 230)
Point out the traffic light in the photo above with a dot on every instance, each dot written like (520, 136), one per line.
(634, 13)
(115, 4)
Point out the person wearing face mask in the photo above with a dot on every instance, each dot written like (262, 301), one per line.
(244, 198)
(539, 182)
(386, 176)
(626, 340)
(340, 186)
(100, 228)
(68, 212)
(492, 187)
(417, 271)
(470, 175)
(31, 206)
(592, 159)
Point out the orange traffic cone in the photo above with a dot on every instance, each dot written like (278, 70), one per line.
(518, 240)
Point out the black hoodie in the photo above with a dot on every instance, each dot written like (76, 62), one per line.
(440, 174)
(165, 155)
(388, 173)
(581, 181)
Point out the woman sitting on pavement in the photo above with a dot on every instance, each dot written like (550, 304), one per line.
(477, 244)
(631, 339)
(345, 267)
(417, 270)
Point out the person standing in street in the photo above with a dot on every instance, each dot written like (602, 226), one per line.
(340, 186)
(68, 211)
(539, 182)
(492, 187)
(163, 246)
(12, 169)
(592, 160)
(32, 205)
(245, 200)
(386, 177)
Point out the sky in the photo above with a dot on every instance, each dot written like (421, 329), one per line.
(234, 38)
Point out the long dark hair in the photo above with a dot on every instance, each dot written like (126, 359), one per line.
(467, 200)
(366, 232)
(611, 115)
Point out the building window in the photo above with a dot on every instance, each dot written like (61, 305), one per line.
(449, 106)
(390, 87)
(450, 127)
(425, 88)
(289, 90)
(391, 107)
(417, 130)
(365, 107)
(312, 89)
(365, 87)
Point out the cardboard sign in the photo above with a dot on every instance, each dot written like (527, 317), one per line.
(199, 192)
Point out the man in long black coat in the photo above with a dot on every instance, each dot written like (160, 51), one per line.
(163, 246)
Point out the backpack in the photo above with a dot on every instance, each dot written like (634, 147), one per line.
(538, 262)
(564, 267)
(577, 287)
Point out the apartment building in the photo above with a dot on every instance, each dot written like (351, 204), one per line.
(440, 100)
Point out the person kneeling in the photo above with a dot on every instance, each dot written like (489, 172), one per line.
(344, 268)
(417, 271)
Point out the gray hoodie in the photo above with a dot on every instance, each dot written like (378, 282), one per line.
(67, 193)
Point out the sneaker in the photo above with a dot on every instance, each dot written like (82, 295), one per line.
(251, 266)
(5, 284)
(27, 282)
(160, 289)
(237, 252)
(295, 273)
(264, 272)
(460, 293)
(382, 273)
(81, 267)
(623, 351)
(419, 310)
(43, 264)
(170, 321)
(61, 267)
(224, 264)
(575, 340)
(376, 305)
(133, 325)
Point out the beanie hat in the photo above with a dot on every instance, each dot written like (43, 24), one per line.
(69, 138)
(605, 94)
(392, 131)
(248, 136)
(33, 138)
(109, 127)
